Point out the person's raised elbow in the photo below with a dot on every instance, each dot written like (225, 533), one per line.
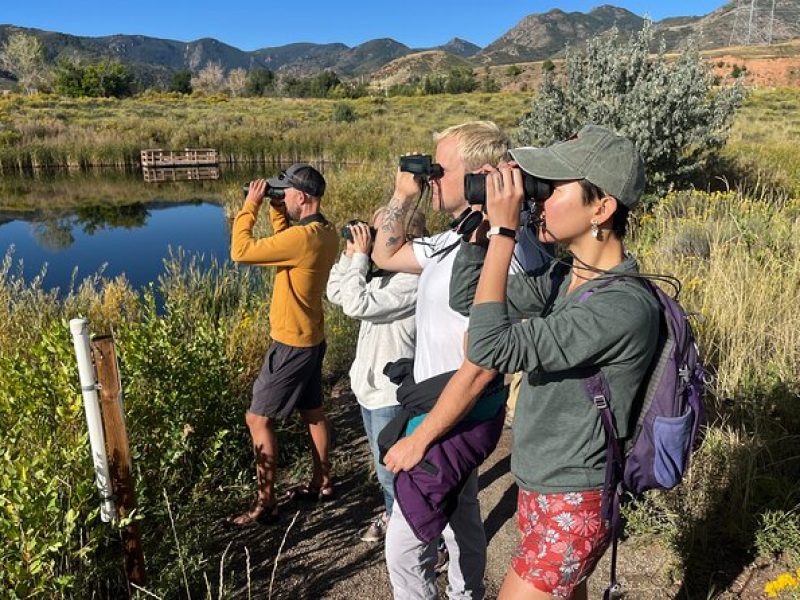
(481, 355)
(237, 253)
(459, 302)
(382, 260)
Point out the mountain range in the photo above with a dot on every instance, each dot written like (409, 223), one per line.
(536, 37)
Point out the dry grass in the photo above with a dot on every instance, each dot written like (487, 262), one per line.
(49, 131)
(739, 259)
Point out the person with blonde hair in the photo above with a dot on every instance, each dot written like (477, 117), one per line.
(411, 556)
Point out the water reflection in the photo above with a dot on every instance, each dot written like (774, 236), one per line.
(53, 234)
(90, 218)
(130, 239)
(164, 174)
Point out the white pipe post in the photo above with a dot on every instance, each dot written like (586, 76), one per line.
(80, 337)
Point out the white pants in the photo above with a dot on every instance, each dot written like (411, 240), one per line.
(411, 562)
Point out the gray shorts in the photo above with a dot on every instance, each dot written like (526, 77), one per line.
(290, 378)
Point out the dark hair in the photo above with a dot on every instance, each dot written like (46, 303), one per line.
(619, 221)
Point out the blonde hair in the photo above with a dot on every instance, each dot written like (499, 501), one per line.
(479, 142)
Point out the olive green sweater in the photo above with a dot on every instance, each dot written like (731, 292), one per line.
(559, 442)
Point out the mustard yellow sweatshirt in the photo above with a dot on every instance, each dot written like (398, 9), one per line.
(304, 254)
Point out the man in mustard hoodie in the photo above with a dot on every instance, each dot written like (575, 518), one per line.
(291, 376)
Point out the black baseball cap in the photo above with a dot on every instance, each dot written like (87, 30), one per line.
(300, 176)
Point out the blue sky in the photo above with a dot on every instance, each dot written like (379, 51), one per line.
(249, 25)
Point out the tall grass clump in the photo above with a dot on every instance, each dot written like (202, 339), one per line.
(763, 150)
(739, 259)
(189, 347)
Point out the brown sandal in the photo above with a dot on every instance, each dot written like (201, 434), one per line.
(310, 493)
(259, 514)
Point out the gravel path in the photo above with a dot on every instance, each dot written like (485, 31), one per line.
(323, 558)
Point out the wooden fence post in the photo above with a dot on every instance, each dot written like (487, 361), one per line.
(119, 457)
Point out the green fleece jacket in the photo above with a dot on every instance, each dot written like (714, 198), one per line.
(559, 442)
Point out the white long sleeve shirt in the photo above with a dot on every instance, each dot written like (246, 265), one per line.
(385, 306)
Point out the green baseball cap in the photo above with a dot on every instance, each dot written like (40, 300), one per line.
(609, 161)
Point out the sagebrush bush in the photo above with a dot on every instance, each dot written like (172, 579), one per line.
(666, 106)
(779, 532)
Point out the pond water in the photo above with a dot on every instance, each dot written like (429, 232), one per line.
(76, 225)
(130, 239)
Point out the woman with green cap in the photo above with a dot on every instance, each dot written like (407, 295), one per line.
(576, 324)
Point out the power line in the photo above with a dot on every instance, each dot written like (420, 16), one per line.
(754, 21)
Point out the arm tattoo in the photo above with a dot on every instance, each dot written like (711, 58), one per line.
(393, 222)
(392, 217)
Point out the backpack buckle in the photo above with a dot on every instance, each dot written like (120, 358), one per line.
(600, 401)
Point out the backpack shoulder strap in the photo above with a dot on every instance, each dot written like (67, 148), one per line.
(598, 392)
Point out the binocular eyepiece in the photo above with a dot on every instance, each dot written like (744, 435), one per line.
(348, 235)
(275, 193)
(536, 190)
(421, 165)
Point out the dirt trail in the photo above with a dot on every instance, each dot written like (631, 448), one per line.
(323, 557)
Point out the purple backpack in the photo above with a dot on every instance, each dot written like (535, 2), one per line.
(671, 413)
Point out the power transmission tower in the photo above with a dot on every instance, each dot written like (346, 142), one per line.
(750, 23)
(738, 14)
(753, 22)
(771, 23)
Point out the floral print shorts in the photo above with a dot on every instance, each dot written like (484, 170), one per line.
(563, 537)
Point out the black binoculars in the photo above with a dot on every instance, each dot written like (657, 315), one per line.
(536, 190)
(275, 193)
(348, 235)
(421, 165)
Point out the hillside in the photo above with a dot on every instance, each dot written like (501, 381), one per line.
(733, 25)
(461, 48)
(414, 66)
(546, 35)
(537, 37)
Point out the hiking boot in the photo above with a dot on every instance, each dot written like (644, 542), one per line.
(442, 558)
(376, 530)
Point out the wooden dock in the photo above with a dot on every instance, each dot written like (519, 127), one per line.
(156, 175)
(188, 157)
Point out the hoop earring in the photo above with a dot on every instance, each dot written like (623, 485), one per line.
(595, 230)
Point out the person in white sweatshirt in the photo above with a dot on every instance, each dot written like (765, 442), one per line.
(384, 303)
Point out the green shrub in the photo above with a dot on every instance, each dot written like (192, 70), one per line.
(105, 78)
(779, 532)
(343, 113)
(490, 86)
(665, 106)
(181, 82)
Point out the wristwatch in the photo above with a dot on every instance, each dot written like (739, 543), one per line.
(504, 231)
